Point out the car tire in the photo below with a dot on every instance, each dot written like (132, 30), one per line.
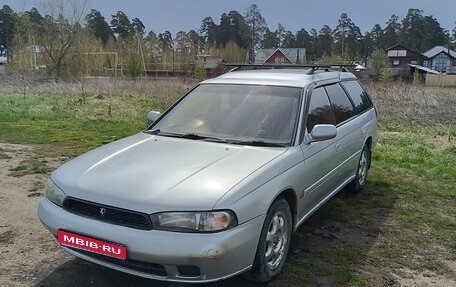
(364, 162)
(273, 244)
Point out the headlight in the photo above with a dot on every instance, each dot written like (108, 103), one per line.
(210, 221)
(54, 193)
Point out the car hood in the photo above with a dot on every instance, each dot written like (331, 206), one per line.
(151, 173)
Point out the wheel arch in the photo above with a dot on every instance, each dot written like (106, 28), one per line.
(368, 143)
(290, 196)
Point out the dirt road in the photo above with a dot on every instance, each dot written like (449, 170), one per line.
(26, 252)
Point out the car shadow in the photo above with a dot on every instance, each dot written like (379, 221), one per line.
(341, 233)
(80, 273)
(328, 228)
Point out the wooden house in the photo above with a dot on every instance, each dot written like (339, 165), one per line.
(400, 57)
(280, 56)
(440, 59)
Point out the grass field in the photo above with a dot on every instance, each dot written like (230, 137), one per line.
(402, 226)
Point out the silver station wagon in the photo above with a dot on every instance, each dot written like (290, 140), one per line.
(216, 185)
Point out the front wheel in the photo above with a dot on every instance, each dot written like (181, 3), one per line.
(274, 243)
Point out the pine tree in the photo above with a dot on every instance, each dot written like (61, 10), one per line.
(97, 26)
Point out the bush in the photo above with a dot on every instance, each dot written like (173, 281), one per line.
(379, 63)
(133, 66)
(200, 72)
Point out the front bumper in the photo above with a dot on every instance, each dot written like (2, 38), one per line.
(217, 255)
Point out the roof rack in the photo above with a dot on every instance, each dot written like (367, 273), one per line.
(310, 67)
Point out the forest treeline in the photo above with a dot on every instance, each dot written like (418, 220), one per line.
(65, 38)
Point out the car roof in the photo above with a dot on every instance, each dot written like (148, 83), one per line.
(280, 77)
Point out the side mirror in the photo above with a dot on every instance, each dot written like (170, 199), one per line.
(153, 116)
(322, 133)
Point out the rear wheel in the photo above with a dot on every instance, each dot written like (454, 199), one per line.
(362, 170)
(274, 243)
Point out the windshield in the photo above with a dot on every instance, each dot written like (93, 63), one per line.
(235, 112)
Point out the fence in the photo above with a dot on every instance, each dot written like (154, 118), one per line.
(441, 80)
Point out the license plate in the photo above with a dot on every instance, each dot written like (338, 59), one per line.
(92, 245)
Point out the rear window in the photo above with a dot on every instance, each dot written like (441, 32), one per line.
(358, 95)
(342, 106)
(320, 110)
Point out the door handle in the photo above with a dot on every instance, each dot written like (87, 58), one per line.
(364, 130)
(338, 146)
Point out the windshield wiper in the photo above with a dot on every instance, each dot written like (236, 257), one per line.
(195, 136)
(257, 143)
(192, 136)
(152, 132)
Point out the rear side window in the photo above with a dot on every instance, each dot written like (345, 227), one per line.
(320, 110)
(358, 95)
(343, 108)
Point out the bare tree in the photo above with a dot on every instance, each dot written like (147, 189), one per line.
(60, 29)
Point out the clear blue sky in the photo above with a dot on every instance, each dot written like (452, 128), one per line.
(177, 15)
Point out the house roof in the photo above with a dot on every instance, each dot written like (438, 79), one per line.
(426, 69)
(437, 50)
(395, 47)
(262, 55)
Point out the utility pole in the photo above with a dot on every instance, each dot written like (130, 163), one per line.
(7, 45)
(31, 52)
(141, 52)
(252, 60)
(173, 57)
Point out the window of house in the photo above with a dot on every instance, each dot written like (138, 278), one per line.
(440, 64)
(279, 60)
(413, 62)
(402, 53)
(343, 108)
(396, 62)
(392, 53)
(320, 110)
(397, 53)
(425, 63)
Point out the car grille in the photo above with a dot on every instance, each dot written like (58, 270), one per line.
(109, 214)
(146, 267)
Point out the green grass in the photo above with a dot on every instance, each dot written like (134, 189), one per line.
(407, 214)
(30, 166)
(71, 125)
(19, 168)
(405, 218)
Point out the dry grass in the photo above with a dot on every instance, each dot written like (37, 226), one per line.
(95, 86)
(414, 104)
(61, 114)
